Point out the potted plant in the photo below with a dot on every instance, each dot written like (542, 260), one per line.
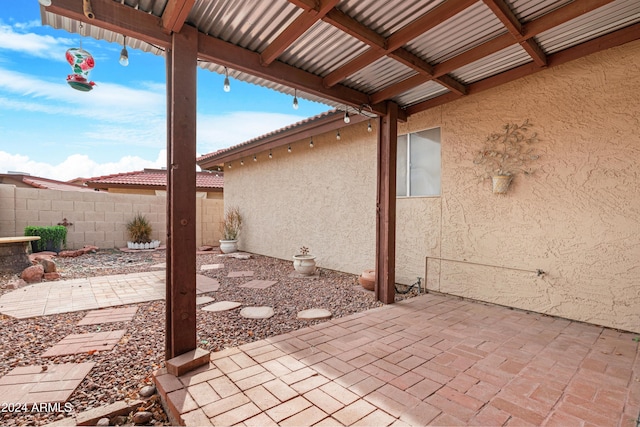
(51, 238)
(506, 154)
(304, 263)
(230, 226)
(139, 230)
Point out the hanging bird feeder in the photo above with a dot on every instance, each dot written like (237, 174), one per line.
(81, 63)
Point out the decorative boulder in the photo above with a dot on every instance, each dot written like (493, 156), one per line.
(33, 274)
(49, 266)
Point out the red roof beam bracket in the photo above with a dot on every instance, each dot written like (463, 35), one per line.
(299, 26)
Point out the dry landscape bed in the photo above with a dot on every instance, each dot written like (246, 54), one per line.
(120, 374)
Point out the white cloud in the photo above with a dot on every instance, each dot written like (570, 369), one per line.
(41, 46)
(225, 130)
(77, 165)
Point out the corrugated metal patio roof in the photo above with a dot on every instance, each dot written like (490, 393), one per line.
(343, 53)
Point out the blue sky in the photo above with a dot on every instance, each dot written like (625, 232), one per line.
(49, 129)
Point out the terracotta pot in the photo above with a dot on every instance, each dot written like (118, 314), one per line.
(368, 279)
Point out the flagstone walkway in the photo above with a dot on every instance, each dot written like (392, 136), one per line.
(429, 360)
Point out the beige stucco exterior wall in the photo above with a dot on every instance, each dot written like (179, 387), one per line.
(98, 218)
(577, 218)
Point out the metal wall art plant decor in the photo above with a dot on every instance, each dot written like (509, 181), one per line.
(81, 63)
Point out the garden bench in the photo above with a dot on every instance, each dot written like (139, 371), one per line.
(13, 253)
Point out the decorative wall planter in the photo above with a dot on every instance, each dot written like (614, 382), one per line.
(142, 246)
(501, 183)
(304, 264)
(228, 246)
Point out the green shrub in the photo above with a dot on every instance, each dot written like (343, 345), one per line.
(139, 229)
(56, 234)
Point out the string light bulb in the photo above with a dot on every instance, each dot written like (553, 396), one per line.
(338, 135)
(346, 116)
(295, 99)
(311, 143)
(270, 155)
(227, 84)
(229, 165)
(289, 149)
(242, 162)
(124, 55)
(369, 128)
(255, 159)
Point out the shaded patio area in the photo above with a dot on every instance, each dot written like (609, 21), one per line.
(429, 360)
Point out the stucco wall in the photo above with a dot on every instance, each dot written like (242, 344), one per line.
(98, 218)
(577, 218)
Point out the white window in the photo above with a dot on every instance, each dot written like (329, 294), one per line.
(418, 172)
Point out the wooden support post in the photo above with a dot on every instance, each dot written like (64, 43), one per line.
(181, 193)
(386, 205)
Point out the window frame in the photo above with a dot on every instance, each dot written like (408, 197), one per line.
(407, 166)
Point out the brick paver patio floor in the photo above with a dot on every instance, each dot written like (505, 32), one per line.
(429, 360)
(85, 343)
(30, 385)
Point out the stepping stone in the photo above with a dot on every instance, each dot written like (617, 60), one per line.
(295, 275)
(240, 274)
(206, 284)
(43, 384)
(211, 267)
(161, 265)
(259, 284)
(314, 313)
(85, 343)
(109, 315)
(263, 312)
(240, 255)
(203, 300)
(222, 306)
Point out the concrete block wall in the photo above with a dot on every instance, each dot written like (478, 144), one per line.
(98, 218)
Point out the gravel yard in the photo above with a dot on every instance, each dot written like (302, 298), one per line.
(119, 374)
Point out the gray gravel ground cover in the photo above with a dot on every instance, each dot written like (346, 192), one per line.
(120, 374)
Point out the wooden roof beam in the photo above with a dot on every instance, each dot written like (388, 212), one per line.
(607, 41)
(298, 27)
(174, 15)
(116, 17)
(531, 29)
(399, 38)
(513, 25)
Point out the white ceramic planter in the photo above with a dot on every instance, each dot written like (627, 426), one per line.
(151, 245)
(228, 246)
(304, 264)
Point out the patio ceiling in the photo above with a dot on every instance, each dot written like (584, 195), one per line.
(358, 53)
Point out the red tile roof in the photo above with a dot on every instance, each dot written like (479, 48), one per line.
(154, 179)
(43, 183)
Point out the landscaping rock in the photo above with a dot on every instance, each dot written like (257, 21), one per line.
(147, 391)
(33, 274)
(49, 265)
(70, 254)
(205, 248)
(103, 422)
(142, 417)
(51, 276)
